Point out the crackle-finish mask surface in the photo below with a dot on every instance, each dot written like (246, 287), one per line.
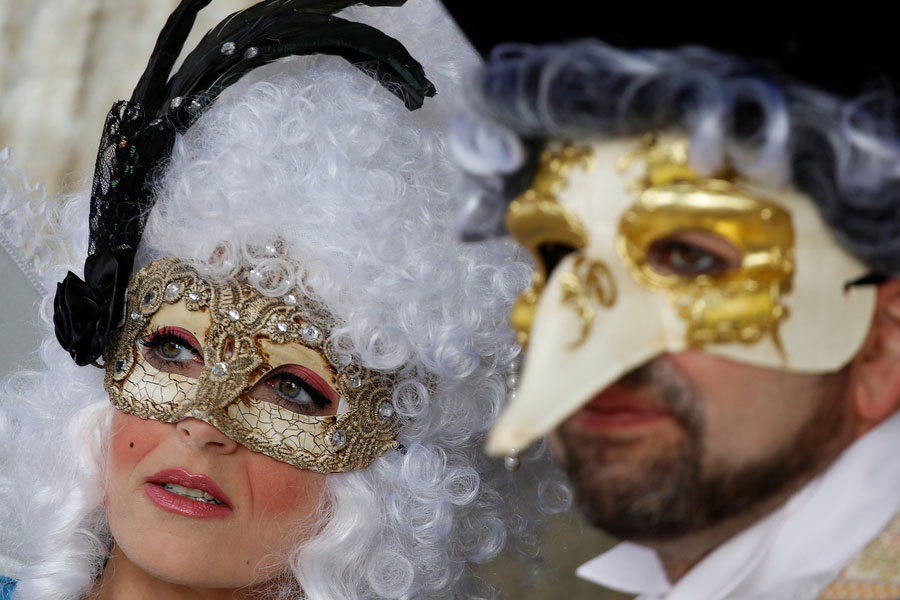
(261, 370)
(638, 255)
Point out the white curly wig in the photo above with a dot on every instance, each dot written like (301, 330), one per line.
(312, 154)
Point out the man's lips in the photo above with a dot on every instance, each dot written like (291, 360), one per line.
(174, 502)
(620, 408)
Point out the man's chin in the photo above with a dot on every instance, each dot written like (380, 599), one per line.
(640, 499)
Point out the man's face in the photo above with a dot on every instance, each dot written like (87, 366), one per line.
(661, 260)
(689, 440)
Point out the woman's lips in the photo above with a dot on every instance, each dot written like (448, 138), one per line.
(214, 503)
(618, 409)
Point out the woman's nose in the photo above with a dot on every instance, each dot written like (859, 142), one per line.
(203, 436)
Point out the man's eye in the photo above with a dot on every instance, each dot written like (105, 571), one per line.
(675, 256)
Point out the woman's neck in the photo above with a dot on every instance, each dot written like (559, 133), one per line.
(123, 580)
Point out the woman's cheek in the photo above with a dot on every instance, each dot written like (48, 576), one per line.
(281, 490)
(131, 439)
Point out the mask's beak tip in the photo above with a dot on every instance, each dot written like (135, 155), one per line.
(503, 441)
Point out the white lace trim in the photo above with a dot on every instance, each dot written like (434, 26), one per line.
(22, 218)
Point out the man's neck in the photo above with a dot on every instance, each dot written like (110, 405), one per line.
(680, 555)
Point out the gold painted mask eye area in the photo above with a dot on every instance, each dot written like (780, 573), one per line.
(261, 370)
(546, 228)
(723, 255)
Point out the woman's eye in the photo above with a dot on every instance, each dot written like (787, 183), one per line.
(172, 350)
(289, 388)
(292, 392)
(676, 256)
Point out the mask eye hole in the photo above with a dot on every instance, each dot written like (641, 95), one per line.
(552, 255)
(297, 389)
(172, 350)
(694, 253)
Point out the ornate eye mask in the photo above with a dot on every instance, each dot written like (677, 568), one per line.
(633, 264)
(261, 370)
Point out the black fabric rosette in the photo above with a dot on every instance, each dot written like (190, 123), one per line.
(85, 312)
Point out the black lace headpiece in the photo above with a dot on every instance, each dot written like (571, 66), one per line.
(139, 133)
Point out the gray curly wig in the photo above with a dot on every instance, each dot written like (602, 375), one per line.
(311, 154)
(843, 153)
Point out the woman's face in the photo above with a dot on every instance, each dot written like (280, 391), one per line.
(188, 505)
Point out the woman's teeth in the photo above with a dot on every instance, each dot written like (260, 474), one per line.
(198, 495)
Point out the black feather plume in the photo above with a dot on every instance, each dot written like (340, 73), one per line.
(277, 28)
(139, 134)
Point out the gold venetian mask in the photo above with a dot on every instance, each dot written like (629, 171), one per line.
(261, 370)
(662, 260)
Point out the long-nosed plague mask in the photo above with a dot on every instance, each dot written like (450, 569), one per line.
(261, 370)
(638, 255)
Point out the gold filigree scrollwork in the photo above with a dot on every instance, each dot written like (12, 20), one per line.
(244, 329)
(588, 282)
(537, 219)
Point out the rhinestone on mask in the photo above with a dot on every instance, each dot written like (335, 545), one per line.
(173, 291)
(290, 300)
(281, 326)
(386, 410)
(227, 48)
(194, 106)
(344, 360)
(338, 439)
(309, 333)
(193, 296)
(234, 314)
(136, 316)
(176, 102)
(120, 365)
(149, 297)
(251, 52)
(220, 369)
(355, 382)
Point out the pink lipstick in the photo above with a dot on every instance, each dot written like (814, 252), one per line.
(193, 495)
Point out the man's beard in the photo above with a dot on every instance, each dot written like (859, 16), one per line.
(669, 495)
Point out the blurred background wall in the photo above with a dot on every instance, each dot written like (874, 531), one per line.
(62, 64)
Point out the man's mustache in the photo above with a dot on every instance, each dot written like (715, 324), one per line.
(661, 379)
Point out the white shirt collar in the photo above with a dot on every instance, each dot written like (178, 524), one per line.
(811, 537)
